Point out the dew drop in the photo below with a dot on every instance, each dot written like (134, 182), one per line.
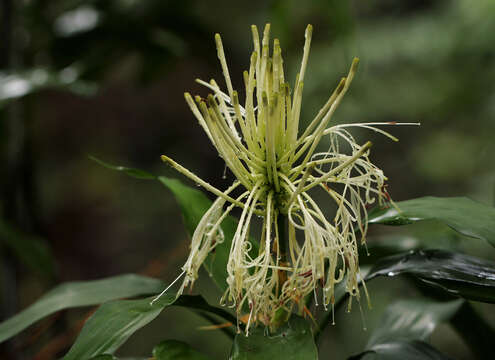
(224, 176)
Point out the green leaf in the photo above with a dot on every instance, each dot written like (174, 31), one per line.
(403, 350)
(457, 274)
(132, 172)
(405, 326)
(176, 350)
(197, 302)
(292, 341)
(464, 215)
(426, 235)
(193, 203)
(111, 357)
(75, 294)
(31, 250)
(412, 320)
(114, 322)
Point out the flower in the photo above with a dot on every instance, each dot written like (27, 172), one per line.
(276, 168)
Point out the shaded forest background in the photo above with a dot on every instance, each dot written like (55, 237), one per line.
(106, 78)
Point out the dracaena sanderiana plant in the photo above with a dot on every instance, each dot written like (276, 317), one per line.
(276, 167)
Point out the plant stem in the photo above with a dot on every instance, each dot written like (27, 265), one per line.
(282, 234)
(282, 244)
(281, 315)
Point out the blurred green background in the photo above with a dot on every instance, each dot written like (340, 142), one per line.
(106, 78)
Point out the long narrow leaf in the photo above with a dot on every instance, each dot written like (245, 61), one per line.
(77, 294)
(132, 172)
(405, 327)
(114, 322)
(464, 215)
(403, 350)
(412, 320)
(193, 203)
(457, 274)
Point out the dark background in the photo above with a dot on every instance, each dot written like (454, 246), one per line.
(106, 78)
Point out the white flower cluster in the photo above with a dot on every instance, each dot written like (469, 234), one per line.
(276, 167)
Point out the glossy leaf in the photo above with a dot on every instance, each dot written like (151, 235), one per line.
(403, 350)
(412, 320)
(457, 274)
(292, 341)
(464, 215)
(76, 294)
(405, 326)
(176, 350)
(114, 322)
(427, 235)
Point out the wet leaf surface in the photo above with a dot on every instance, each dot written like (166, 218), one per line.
(403, 350)
(404, 329)
(457, 274)
(412, 320)
(464, 215)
